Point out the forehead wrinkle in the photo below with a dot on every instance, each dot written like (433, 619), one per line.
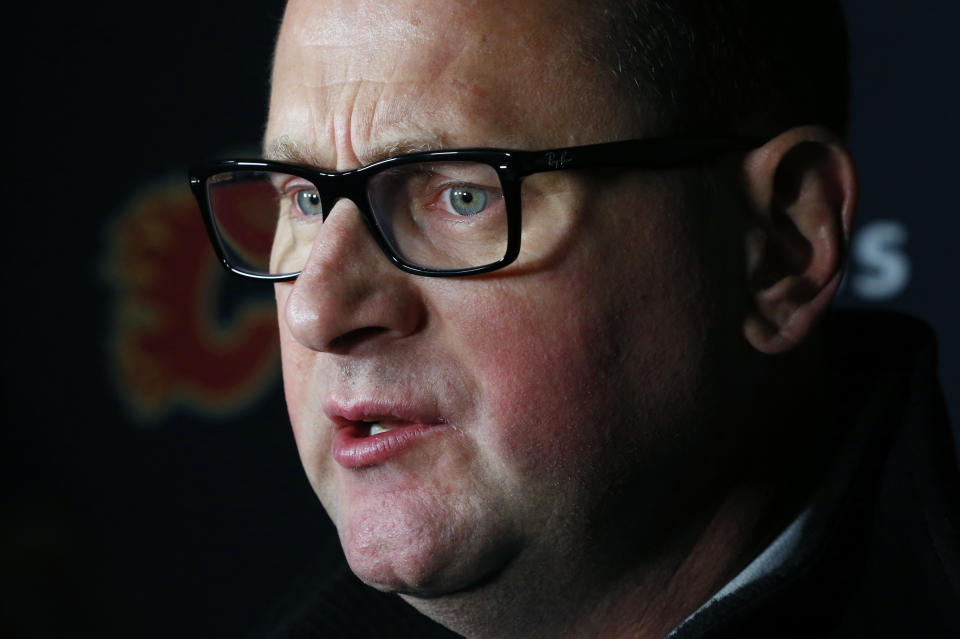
(399, 141)
(345, 110)
(430, 98)
(316, 102)
(366, 120)
(395, 127)
(363, 119)
(379, 68)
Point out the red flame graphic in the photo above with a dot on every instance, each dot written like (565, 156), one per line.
(169, 348)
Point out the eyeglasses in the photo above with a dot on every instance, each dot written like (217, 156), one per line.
(438, 213)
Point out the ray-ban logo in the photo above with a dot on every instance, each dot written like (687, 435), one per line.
(558, 160)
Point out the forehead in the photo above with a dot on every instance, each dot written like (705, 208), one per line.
(368, 79)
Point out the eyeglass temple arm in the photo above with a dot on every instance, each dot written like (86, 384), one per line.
(654, 153)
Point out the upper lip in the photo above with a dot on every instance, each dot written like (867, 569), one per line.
(344, 413)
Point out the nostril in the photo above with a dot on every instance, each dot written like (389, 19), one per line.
(350, 339)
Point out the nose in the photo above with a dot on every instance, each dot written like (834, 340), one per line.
(348, 296)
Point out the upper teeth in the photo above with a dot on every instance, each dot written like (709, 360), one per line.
(376, 429)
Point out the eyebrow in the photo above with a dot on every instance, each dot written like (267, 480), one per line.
(287, 149)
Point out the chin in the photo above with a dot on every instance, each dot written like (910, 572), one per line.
(413, 566)
(419, 554)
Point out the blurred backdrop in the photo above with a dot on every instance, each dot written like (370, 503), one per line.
(150, 483)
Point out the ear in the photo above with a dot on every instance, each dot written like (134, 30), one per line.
(802, 189)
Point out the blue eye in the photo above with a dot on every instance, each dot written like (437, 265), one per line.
(308, 201)
(467, 200)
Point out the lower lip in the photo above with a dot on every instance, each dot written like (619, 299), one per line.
(353, 448)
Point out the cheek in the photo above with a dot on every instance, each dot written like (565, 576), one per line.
(542, 368)
(585, 369)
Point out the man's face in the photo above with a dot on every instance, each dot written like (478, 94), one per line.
(525, 402)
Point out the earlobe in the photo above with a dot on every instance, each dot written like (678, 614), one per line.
(802, 191)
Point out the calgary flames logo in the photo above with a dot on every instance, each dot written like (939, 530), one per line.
(173, 346)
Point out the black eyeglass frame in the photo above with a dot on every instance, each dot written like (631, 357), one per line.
(511, 167)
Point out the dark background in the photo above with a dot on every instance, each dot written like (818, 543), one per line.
(137, 505)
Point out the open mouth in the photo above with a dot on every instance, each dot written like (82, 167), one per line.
(361, 443)
(377, 428)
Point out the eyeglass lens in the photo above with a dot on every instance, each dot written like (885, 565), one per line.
(434, 215)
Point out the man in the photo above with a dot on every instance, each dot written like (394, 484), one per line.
(583, 392)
